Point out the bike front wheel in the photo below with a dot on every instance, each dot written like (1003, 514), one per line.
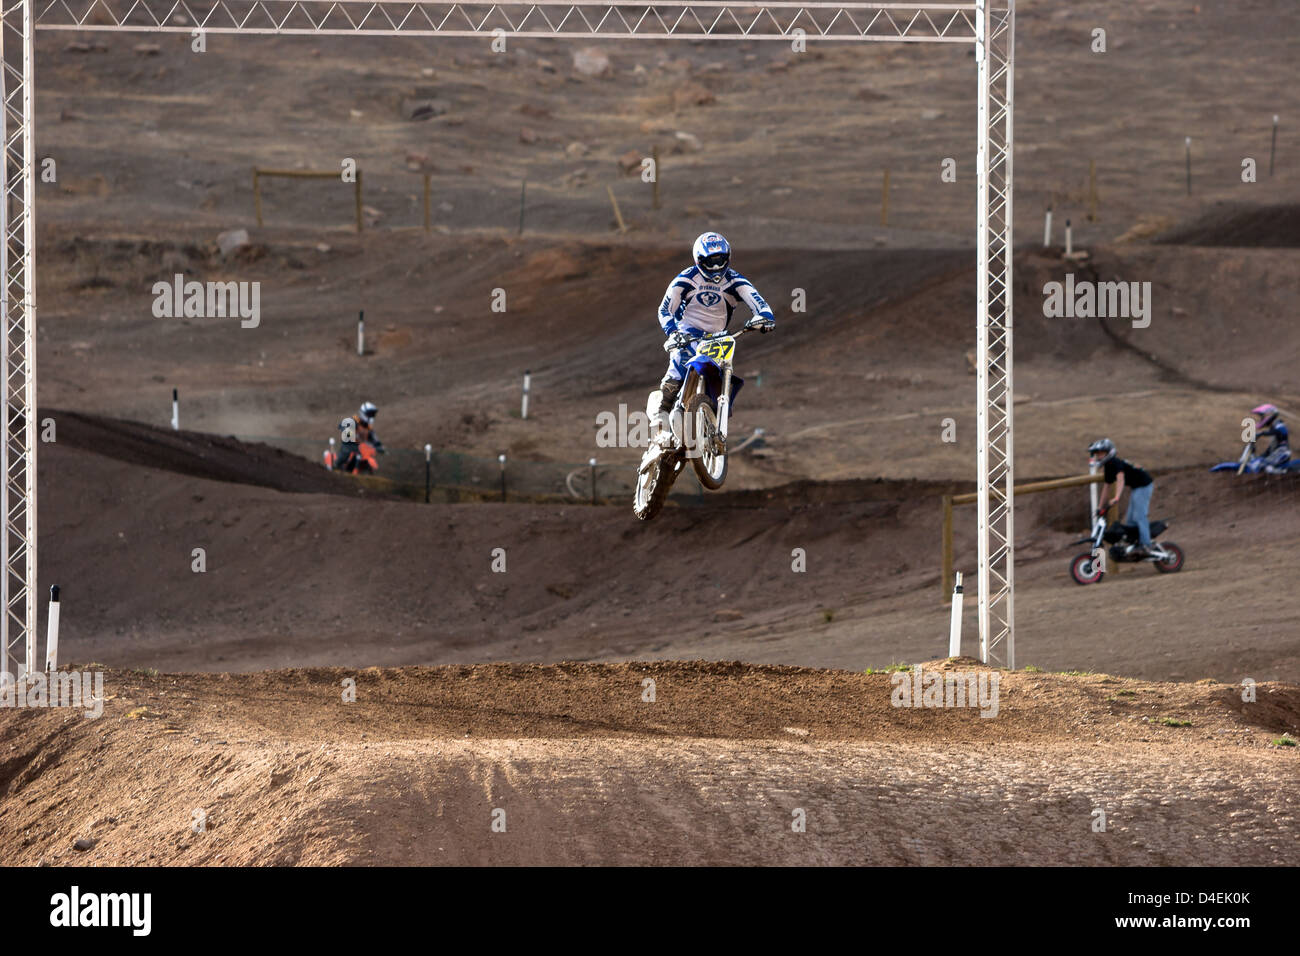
(705, 445)
(1086, 570)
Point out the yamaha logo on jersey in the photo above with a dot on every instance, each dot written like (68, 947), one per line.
(709, 299)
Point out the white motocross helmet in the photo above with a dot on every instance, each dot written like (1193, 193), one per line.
(712, 255)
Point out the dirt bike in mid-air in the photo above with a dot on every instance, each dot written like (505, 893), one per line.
(697, 424)
(1090, 567)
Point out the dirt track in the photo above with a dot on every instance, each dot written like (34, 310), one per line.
(588, 771)
(295, 579)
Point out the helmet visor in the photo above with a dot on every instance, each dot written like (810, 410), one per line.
(715, 263)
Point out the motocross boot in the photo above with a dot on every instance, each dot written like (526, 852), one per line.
(659, 407)
(668, 390)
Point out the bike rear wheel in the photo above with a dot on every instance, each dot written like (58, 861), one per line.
(1173, 559)
(653, 485)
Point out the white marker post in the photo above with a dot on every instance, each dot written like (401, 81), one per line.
(1069, 240)
(176, 411)
(361, 332)
(1272, 149)
(954, 627)
(592, 463)
(528, 382)
(1047, 228)
(1093, 492)
(502, 459)
(51, 633)
(428, 471)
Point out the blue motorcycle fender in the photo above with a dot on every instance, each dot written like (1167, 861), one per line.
(1253, 467)
(712, 375)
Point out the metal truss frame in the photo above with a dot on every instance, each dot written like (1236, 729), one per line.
(987, 24)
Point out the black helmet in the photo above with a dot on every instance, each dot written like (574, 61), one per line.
(1103, 449)
(368, 412)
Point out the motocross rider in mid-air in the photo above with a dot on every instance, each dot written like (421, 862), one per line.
(701, 300)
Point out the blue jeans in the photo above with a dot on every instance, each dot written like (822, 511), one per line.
(1139, 504)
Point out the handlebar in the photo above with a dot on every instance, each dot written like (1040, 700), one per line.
(709, 336)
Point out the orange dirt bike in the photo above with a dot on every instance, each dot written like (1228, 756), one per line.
(697, 424)
(366, 461)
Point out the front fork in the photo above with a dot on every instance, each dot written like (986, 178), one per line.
(724, 408)
(679, 423)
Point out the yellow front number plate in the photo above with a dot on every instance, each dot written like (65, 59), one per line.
(719, 349)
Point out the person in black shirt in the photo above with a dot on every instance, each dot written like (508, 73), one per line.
(1119, 474)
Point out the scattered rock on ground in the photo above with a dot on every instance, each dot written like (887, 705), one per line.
(423, 109)
(686, 142)
(692, 94)
(231, 240)
(591, 61)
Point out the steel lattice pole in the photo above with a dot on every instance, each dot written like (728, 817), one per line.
(18, 448)
(995, 393)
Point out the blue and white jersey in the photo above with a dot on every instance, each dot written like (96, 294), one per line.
(692, 301)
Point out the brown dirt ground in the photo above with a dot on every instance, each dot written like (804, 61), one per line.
(329, 579)
(587, 772)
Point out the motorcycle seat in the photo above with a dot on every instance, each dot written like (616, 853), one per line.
(1131, 530)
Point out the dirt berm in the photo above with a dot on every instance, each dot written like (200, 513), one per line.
(648, 763)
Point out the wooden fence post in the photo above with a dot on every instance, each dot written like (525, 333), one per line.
(427, 199)
(358, 192)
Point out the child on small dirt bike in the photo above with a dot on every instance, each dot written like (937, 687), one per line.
(700, 300)
(1117, 474)
(1269, 424)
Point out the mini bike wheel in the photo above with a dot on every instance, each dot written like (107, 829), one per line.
(1173, 559)
(1085, 570)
